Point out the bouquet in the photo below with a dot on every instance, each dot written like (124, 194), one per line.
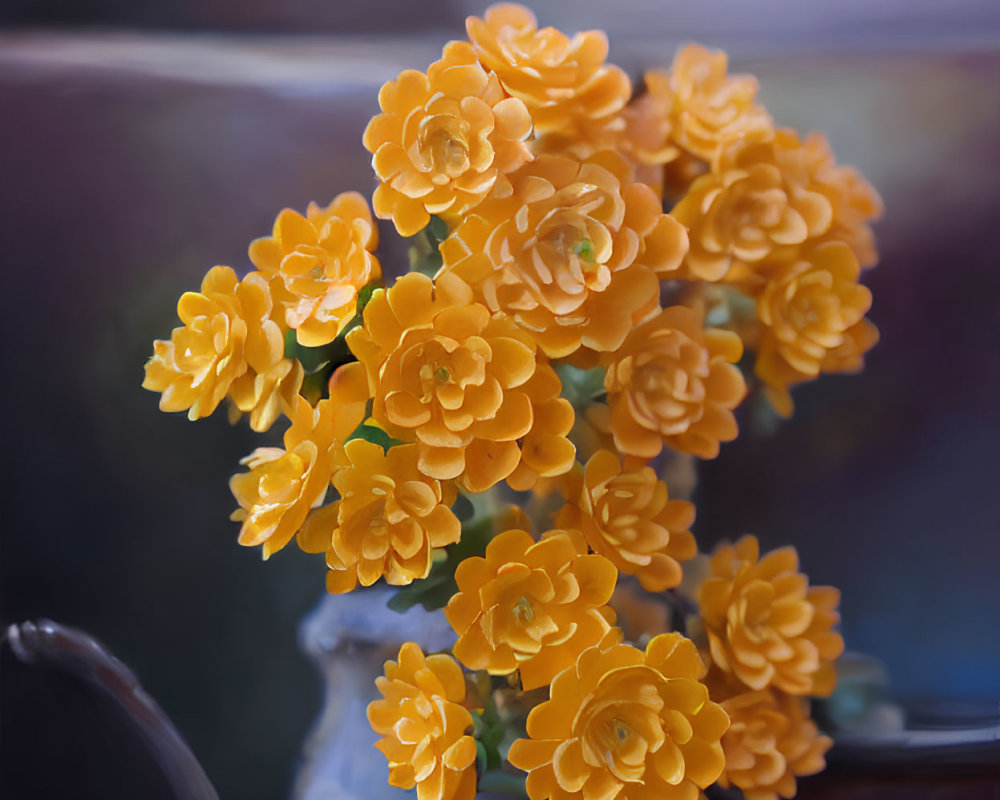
(599, 274)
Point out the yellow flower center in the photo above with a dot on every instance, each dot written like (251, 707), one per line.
(523, 612)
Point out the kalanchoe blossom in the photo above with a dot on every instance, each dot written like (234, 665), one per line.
(387, 522)
(561, 80)
(424, 726)
(573, 254)
(673, 382)
(531, 606)
(771, 740)
(766, 625)
(460, 382)
(445, 139)
(623, 723)
(627, 516)
(317, 263)
(229, 345)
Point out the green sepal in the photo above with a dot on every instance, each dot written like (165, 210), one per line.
(374, 434)
(581, 386)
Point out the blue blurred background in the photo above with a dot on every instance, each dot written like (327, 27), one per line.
(144, 142)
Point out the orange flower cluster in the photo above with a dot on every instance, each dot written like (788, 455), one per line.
(570, 244)
(531, 606)
(424, 726)
(625, 723)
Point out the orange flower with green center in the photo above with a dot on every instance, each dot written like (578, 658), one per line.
(771, 741)
(561, 80)
(757, 206)
(230, 344)
(444, 140)
(530, 606)
(283, 484)
(424, 726)
(318, 262)
(673, 381)
(812, 315)
(628, 517)
(623, 723)
(389, 519)
(455, 379)
(766, 625)
(574, 254)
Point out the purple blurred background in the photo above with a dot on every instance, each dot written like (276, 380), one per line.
(131, 161)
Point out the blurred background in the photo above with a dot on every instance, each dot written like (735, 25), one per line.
(143, 142)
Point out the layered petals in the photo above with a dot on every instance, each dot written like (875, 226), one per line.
(766, 626)
(624, 723)
(628, 517)
(424, 726)
(465, 385)
(444, 140)
(530, 606)
(573, 254)
(319, 262)
(387, 522)
(674, 382)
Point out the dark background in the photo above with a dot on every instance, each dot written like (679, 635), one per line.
(131, 162)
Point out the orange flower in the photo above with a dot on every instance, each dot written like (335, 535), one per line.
(320, 261)
(229, 345)
(424, 727)
(707, 106)
(855, 201)
(627, 517)
(770, 743)
(621, 723)
(283, 484)
(757, 205)
(387, 522)
(560, 80)
(460, 382)
(673, 381)
(765, 625)
(812, 312)
(444, 140)
(530, 606)
(573, 254)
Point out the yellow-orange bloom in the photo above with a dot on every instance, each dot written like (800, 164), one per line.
(283, 484)
(319, 262)
(622, 723)
(757, 206)
(673, 381)
(560, 80)
(229, 345)
(445, 139)
(459, 381)
(573, 254)
(424, 726)
(387, 522)
(812, 315)
(771, 741)
(706, 105)
(530, 606)
(626, 515)
(855, 202)
(766, 625)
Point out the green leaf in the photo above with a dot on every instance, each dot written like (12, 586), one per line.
(375, 435)
(365, 295)
(438, 229)
(581, 386)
